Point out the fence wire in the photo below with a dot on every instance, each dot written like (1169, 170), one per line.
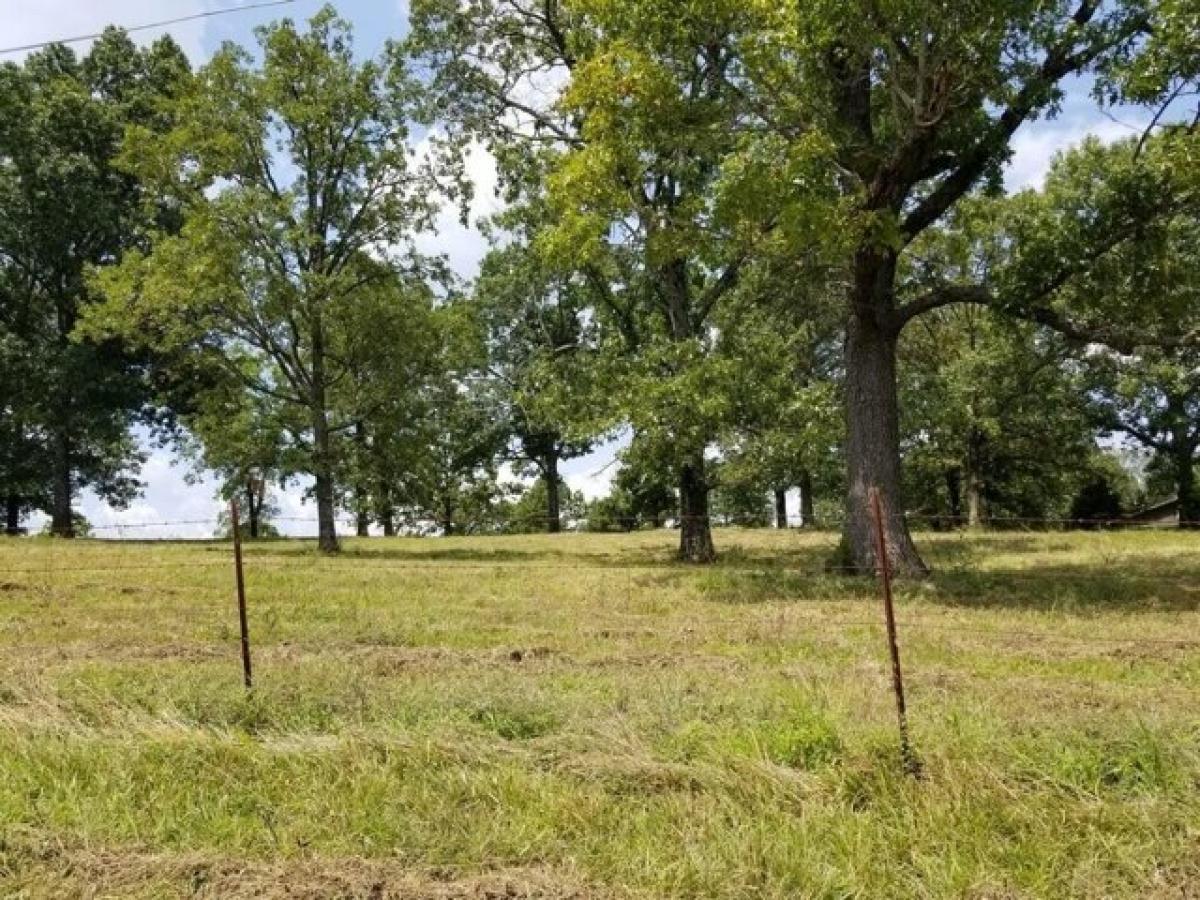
(356, 567)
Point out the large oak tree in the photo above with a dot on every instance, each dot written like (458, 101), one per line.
(921, 100)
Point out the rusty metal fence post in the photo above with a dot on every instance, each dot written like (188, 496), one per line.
(884, 567)
(241, 593)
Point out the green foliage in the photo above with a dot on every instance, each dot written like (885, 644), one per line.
(69, 404)
(1097, 500)
(293, 172)
(657, 201)
(538, 337)
(527, 515)
(642, 494)
(80, 526)
(994, 425)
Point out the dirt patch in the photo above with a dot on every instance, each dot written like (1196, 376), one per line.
(59, 872)
(1155, 651)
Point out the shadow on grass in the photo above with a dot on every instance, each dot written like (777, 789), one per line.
(1127, 581)
(445, 550)
(965, 549)
(1078, 589)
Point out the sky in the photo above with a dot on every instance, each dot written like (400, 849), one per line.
(170, 495)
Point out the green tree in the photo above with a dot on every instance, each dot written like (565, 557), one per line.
(296, 175)
(993, 425)
(1153, 398)
(454, 482)
(247, 440)
(921, 101)
(67, 206)
(395, 343)
(528, 513)
(628, 145)
(25, 475)
(538, 329)
(787, 429)
(642, 495)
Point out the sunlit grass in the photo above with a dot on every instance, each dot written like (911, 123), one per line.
(580, 716)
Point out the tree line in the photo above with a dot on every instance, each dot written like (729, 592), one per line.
(770, 243)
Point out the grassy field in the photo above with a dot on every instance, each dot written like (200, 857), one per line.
(578, 716)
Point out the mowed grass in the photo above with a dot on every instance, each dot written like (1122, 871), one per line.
(579, 716)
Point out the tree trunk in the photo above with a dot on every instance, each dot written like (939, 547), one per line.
(553, 484)
(385, 509)
(873, 447)
(973, 479)
(448, 519)
(322, 450)
(781, 519)
(362, 496)
(327, 539)
(954, 495)
(254, 511)
(974, 501)
(807, 516)
(695, 533)
(62, 520)
(12, 515)
(1185, 484)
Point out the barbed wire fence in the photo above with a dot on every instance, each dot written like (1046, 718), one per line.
(893, 626)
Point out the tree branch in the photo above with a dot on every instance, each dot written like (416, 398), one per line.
(1061, 60)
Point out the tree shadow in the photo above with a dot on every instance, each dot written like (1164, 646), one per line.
(965, 549)
(1064, 588)
(1109, 579)
(1078, 589)
(390, 556)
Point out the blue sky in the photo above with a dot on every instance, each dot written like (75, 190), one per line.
(168, 495)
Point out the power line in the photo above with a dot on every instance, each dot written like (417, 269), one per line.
(204, 15)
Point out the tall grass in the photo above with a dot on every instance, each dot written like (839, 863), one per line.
(578, 716)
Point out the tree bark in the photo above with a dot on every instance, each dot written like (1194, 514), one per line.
(322, 450)
(253, 511)
(1185, 485)
(326, 520)
(695, 532)
(12, 515)
(553, 484)
(387, 512)
(973, 479)
(974, 501)
(362, 497)
(62, 519)
(873, 445)
(807, 516)
(447, 519)
(954, 494)
(781, 519)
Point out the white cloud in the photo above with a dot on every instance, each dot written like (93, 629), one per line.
(1035, 147)
(464, 246)
(592, 475)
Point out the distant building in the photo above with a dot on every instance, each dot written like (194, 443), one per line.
(1161, 515)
